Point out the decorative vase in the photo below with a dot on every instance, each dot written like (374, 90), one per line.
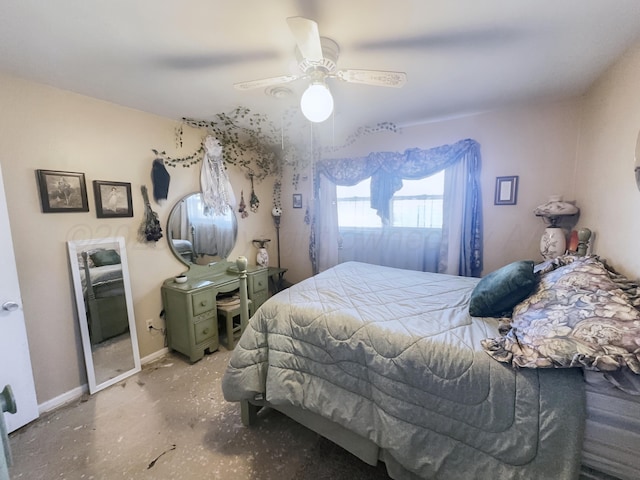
(262, 258)
(241, 263)
(553, 243)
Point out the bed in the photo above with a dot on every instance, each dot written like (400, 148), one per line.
(391, 365)
(103, 291)
(184, 249)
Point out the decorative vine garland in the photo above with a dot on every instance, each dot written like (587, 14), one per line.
(366, 130)
(253, 143)
(249, 140)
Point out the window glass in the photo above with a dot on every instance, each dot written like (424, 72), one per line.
(418, 204)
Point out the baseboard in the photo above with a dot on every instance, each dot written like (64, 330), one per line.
(78, 392)
(154, 356)
(60, 400)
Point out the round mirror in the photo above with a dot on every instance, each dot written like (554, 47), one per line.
(198, 236)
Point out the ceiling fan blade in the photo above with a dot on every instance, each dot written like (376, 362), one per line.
(449, 39)
(307, 37)
(265, 82)
(213, 60)
(378, 78)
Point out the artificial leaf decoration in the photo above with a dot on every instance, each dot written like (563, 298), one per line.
(150, 230)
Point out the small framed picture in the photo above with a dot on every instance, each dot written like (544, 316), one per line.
(297, 200)
(506, 190)
(62, 191)
(113, 199)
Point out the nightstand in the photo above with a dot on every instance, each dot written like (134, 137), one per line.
(276, 278)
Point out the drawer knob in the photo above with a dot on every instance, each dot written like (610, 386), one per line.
(203, 303)
(205, 331)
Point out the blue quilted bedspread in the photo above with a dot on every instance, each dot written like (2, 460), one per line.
(394, 356)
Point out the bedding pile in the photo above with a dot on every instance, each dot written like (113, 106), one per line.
(394, 356)
(581, 314)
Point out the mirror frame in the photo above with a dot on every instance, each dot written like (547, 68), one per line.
(75, 248)
(636, 167)
(170, 238)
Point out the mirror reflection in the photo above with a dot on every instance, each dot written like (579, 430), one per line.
(105, 312)
(198, 236)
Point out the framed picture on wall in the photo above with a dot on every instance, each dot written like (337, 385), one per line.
(113, 199)
(297, 200)
(506, 190)
(62, 192)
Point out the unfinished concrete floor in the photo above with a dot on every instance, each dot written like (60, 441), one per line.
(171, 421)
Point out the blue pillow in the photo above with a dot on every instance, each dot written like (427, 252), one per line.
(500, 291)
(105, 257)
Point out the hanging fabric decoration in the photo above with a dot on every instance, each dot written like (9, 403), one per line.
(160, 178)
(214, 182)
(242, 207)
(254, 202)
(150, 230)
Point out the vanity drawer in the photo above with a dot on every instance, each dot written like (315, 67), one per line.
(258, 282)
(203, 301)
(258, 299)
(205, 329)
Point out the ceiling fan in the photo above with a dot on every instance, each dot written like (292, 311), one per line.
(318, 57)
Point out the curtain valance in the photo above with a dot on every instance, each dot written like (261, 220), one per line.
(388, 169)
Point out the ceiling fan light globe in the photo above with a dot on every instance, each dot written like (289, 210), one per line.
(316, 103)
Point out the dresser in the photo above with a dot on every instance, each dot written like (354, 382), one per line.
(190, 308)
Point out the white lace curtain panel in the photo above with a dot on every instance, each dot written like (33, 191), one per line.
(457, 251)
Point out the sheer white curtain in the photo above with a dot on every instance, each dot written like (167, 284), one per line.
(409, 248)
(327, 224)
(453, 208)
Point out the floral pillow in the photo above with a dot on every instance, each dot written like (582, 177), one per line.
(578, 316)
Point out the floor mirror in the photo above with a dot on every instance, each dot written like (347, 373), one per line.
(105, 310)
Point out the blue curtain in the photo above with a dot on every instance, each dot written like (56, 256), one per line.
(388, 169)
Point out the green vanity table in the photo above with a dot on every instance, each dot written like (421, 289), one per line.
(203, 240)
(190, 308)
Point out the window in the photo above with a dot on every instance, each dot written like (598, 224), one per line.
(418, 204)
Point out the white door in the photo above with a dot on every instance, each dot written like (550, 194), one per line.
(15, 363)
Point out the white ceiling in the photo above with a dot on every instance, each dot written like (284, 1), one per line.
(180, 58)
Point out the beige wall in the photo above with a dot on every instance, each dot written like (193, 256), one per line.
(605, 183)
(46, 128)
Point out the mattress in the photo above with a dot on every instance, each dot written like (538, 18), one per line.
(612, 431)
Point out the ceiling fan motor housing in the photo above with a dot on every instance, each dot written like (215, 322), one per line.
(328, 64)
